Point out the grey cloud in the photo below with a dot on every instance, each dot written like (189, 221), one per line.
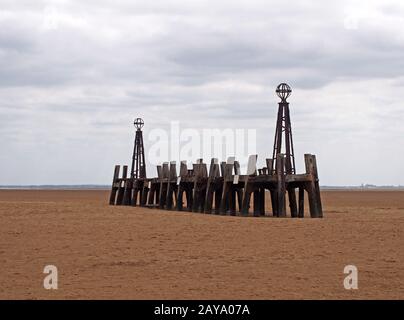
(74, 74)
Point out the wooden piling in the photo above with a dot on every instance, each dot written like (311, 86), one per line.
(115, 185)
(301, 202)
(313, 188)
(171, 186)
(121, 188)
(262, 202)
(127, 194)
(292, 202)
(211, 187)
(281, 186)
(163, 185)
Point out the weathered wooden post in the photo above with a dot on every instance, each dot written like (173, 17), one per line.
(127, 194)
(212, 186)
(238, 185)
(171, 186)
(199, 190)
(225, 204)
(281, 186)
(153, 196)
(249, 184)
(115, 185)
(272, 192)
(262, 201)
(121, 188)
(181, 185)
(145, 192)
(292, 202)
(313, 188)
(301, 202)
(164, 185)
(136, 192)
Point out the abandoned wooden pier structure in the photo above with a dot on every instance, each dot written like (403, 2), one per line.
(221, 188)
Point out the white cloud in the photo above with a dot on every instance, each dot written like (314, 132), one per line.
(74, 74)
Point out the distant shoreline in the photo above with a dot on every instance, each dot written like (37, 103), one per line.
(108, 187)
(56, 187)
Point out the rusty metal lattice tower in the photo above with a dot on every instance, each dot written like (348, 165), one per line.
(284, 131)
(138, 170)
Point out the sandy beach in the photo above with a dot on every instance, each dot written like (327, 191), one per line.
(138, 253)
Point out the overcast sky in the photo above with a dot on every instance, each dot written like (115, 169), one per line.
(74, 74)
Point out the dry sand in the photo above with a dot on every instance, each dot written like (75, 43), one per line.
(136, 253)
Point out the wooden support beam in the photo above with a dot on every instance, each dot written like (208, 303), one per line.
(199, 188)
(127, 194)
(222, 168)
(114, 187)
(218, 199)
(214, 173)
(171, 185)
(163, 185)
(249, 184)
(180, 197)
(190, 199)
(262, 202)
(181, 186)
(313, 188)
(121, 188)
(301, 202)
(292, 202)
(248, 189)
(145, 193)
(240, 194)
(227, 169)
(135, 193)
(281, 185)
(152, 193)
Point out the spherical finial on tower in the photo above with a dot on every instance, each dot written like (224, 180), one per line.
(139, 123)
(283, 91)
